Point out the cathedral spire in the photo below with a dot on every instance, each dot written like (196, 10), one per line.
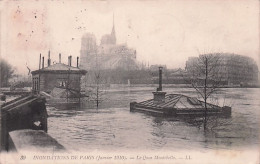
(113, 33)
(113, 20)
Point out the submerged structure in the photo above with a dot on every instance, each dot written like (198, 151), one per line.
(58, 80)
(177, 105)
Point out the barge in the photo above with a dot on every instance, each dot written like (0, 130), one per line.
(177, 105)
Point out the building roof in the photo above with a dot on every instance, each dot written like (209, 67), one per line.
(60, 68)
(178, 101)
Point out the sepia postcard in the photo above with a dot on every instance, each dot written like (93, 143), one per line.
(140, 81)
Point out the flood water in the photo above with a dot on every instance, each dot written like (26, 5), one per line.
(114, 128)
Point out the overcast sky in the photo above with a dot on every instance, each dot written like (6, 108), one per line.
(162, 32)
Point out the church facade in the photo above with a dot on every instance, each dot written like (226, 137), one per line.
(106, 56)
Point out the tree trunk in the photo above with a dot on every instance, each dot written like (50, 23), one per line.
(97, 96)
(205, 95)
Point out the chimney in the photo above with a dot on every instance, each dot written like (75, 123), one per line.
(159, 96)
(43, 62)
(40, 61)
(69, 60)
(59, 58)
(49, 58)
(77, 62)
(160, 79)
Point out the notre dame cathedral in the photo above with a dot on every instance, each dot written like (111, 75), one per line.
(108, 55)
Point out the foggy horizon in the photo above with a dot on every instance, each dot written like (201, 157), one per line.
(162, 33)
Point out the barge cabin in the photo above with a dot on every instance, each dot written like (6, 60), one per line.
(58, 78)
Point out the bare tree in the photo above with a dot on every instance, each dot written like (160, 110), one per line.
(206, 77)
(99, 92)
(96, 89)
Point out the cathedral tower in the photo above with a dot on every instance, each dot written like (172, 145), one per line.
(109, 39)
(88, 47)
(113, 33)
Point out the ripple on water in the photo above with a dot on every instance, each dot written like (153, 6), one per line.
(113, 127)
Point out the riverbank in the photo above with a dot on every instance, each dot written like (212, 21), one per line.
(175, 86)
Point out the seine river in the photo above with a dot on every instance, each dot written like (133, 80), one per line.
(113, 127)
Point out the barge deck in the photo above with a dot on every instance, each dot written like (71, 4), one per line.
(178, 105)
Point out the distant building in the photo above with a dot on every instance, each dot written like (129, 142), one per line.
(233, 69)
(154, 68)
(107, 55)
(170, 76)
(58, 75)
